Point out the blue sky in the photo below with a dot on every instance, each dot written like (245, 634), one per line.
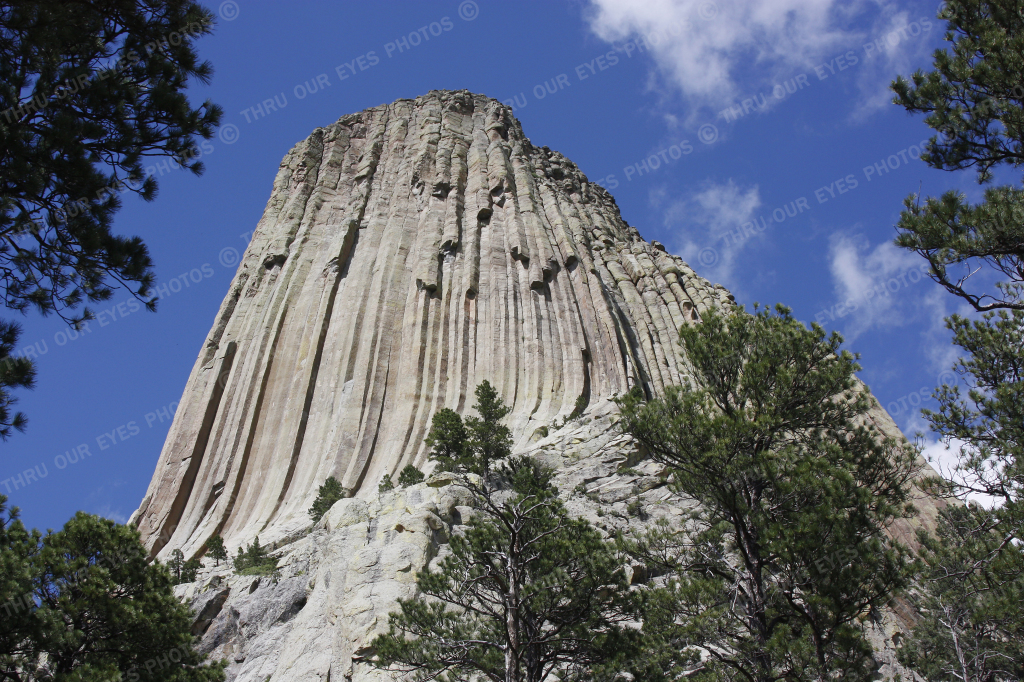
(755, 139)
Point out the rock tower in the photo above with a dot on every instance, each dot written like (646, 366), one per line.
(407, 253)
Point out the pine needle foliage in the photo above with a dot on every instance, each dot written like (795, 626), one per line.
(786, 551)
(254, 560)
(475, 444)
(409, 475)
(974, 99)
(330, 492)
(972, 627)
(85, 603)
(90, 92)
(215, 549)
(525, 594)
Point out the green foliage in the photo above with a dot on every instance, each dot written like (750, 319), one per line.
(989, 419)
(975, 99)
(971, 627)
(89, 92)
(190, 570)
(635, 508)
(577, 411)
(181, 570)
(254, 560)
(525, 593)
(15, 372)
(410, 475)
(92, 608)
(216, 550)
(579, 407)
(175, 564)
(473, 446)
(971, 590)
(448, 440)
(787, 549)
(329, 493)
(18, 624)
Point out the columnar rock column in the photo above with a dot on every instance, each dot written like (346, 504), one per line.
(407, 253)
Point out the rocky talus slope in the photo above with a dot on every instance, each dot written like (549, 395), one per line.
(339, 582)
(407, 253)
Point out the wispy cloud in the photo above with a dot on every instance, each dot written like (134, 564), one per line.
(115, 515)
(899, 42)
(878, 287)
(944, 458)
(700, 220)
(716, 51)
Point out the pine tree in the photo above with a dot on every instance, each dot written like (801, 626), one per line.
(971, 591)
(490, 440)
(385, 484)
(15, 372)
(409, 475)
(971, 628)
(475, 445)
(525, 594)
(175, 564)
(254, 560)
(183, 571)
(19, 626)
(329, 493)
(974, 98)
(215, 548)
(90, 91)
(190, 570)
(447, 439)
(96, 608)
(787, 548)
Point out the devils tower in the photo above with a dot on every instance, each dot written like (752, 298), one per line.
(407, 253)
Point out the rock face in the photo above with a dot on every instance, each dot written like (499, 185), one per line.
(407, 253)
(339, 582)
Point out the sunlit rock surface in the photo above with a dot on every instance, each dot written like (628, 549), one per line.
(407, 253)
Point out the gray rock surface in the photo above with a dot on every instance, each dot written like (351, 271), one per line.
(407, 253)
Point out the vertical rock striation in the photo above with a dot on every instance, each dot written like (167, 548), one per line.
(407, 253)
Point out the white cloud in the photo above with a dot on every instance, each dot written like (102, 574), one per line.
(881, 287)
(115, 515)
(717, 52)
(702, 222)
(944, 457)
(899, 44)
